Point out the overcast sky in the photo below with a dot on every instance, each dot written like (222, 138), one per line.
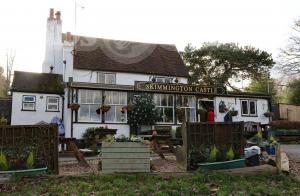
(265, 24)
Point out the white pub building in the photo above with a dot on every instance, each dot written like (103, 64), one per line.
(95, 71)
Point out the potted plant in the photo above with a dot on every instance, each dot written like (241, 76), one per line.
(233, 112)
(3, 120)
(268, 114)
(74, 106)
(105, 108)
(122, 109)
(130, 107)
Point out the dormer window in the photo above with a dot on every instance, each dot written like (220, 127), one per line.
(106, 78)
(163, 79)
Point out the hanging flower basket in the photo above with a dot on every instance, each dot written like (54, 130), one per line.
(105, 108)
(74, 106)
(130, 107)
(123, 110)
(268, 114)
(233, 112)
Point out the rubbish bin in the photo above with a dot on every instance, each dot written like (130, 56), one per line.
(252, 155)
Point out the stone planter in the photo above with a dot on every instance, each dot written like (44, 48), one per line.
(237, 163)
(125, 157)
(26, 172)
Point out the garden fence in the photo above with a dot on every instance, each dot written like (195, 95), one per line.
(42, 138)
(222, 135)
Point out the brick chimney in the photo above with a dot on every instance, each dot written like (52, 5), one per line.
(57, 14)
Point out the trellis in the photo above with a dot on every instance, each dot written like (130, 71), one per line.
(223, 135)
(43, 137)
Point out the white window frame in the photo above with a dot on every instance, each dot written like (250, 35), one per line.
(24, 102)
(105, 75)
(109, 100)
(164, 79)
(187, 107)
(89, 104)
(248, 107)
(160, 106)
(52, 104)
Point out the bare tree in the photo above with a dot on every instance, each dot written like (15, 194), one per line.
(10, 59)
(289, 63)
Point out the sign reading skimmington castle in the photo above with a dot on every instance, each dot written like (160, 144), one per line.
(179, 88)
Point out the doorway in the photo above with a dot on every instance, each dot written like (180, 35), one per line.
(204, 105)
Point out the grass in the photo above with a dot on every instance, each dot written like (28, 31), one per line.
(199, 183)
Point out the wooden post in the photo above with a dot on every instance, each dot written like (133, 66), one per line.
(278, 157)
(184, 145)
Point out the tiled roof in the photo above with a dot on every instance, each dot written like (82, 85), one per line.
(37, 82)
(124, 56)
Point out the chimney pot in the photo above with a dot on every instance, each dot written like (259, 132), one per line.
(57, 14)
(69, 37)
(51, 14)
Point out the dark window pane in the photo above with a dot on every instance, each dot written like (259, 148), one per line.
(245, 107)
(252, 107)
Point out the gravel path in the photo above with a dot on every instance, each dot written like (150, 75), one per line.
(293, 152)
(69, 166)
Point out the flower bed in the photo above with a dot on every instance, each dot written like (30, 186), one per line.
(26, 172)
(237, 163)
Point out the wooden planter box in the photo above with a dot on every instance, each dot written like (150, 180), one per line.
(125, 157)
(237, 163)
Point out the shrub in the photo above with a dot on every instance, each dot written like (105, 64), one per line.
(29, 161)
(213, 154)
(3, 162)
(230, 154)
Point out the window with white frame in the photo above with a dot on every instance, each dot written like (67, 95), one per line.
(248, 108)
(90, 101)
(28, 102)
(164, 79)
(106, 78)
(52, 104)
(188, 103)
(165, 104)
(117, 100)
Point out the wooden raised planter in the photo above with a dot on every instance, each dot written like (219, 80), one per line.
(125, 157)
(27, 172)
(237, 163)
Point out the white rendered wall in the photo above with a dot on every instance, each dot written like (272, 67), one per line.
(79, 128)
(121, 78)
(233, 102)
(19, 117)
(54, 47)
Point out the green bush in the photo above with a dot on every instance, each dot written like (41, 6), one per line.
(3, 162)
(30, 161)
(213, 154)
(230, 154)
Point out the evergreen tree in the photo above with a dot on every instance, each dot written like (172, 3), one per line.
(144, 112)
